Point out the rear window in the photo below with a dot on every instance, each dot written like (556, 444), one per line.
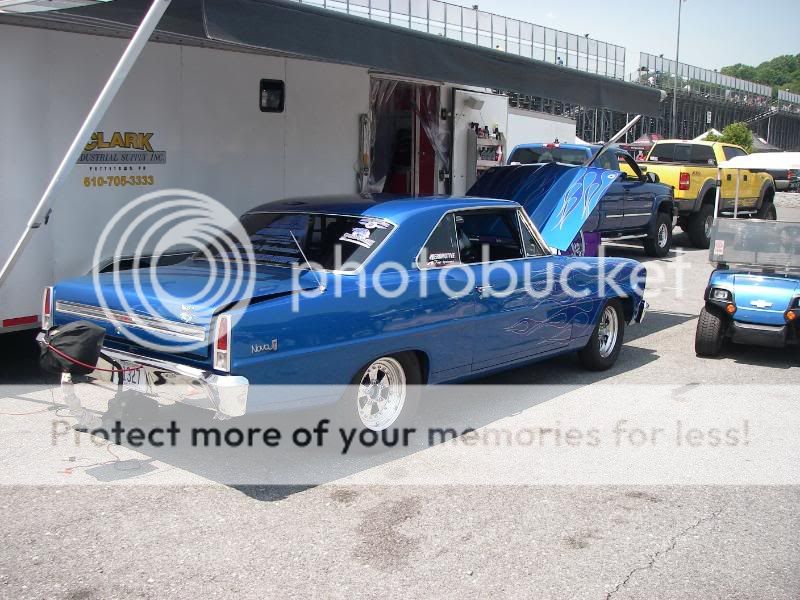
(731, 152)
(332, 241)
(670, 153)
(543, 154)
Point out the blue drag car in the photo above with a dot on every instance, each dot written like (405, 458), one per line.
(403, 291)
(753, 296)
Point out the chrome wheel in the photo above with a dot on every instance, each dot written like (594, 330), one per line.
(382, 393)
(663, 235)
(608, 331)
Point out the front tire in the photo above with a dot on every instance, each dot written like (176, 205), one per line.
(768, 212)
(605, 343)
(700, 226)
(659, 244)
(710, 333)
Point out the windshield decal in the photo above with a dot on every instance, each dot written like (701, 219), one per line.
(359, 236)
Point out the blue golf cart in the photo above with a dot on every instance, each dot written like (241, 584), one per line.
(753, 295)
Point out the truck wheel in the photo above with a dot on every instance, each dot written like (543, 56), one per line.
(700, 226)
(659, 244)
(605, 343)
(709, 336)
(768, 212)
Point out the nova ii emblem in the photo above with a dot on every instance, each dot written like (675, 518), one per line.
(258, 348)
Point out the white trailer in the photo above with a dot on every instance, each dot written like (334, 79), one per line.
(188, 116)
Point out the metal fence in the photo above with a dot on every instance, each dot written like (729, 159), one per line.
(661, 72)
(490, 31)
(788, 97)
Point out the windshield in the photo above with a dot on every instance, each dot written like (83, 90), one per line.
(771, 244)
(334, 242)
(545, 154)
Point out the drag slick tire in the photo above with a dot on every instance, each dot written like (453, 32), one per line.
(710, 333)
(659, 244)
(605, 343)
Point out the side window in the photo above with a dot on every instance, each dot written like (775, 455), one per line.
(703, 155)
(628, 166)
(488, 235)
(441, 249)
(529, 241)
(730, 152)
(607, 160)
(662, 152)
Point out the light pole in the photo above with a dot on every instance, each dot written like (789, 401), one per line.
(674, 129)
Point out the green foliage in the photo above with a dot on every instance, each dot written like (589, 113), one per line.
(782, 72)
(735, 133)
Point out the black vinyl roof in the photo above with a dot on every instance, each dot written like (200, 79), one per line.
(310, 32)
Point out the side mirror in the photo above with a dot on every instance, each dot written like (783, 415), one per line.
(652, 177)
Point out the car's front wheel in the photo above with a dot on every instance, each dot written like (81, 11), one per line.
(659, 244)
(710, 332)
(605, 343)
(384, 394)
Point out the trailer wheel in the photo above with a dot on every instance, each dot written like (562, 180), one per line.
(658, 245)
(700, 226)
(708, 338)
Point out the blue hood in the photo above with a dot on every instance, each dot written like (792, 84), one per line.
(558, 198)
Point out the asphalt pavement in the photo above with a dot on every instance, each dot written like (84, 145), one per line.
(84, 520)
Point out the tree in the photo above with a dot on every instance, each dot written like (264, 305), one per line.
(782, 72)
(735, 133)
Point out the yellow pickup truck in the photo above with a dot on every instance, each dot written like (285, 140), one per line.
(690, 168)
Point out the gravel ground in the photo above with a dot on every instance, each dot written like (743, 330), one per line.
(192, 535)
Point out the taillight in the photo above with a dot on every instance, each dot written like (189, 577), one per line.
(684, 182)
(222, 343)
(790, 174)
(47, 308)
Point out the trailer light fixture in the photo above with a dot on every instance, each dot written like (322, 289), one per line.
(222, 344)
(47, 308)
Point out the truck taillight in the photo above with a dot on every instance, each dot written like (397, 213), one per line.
(47, 308)
(790, 174)
(684, 182)
(222, 343)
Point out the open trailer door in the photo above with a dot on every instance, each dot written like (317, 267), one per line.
(489, 111)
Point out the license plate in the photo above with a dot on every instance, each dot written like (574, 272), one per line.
(134, 379)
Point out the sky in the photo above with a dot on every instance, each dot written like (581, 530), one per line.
(714, 33)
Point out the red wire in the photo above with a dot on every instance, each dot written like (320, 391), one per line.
(88, 366)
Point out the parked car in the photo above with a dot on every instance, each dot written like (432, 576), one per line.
(786, 180)
(350, 332)
(690, 168)
(636, 206)
(753, 295)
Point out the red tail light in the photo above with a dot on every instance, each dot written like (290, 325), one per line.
(684, 182)
(47, 308)
(790, 174)
(222, 341)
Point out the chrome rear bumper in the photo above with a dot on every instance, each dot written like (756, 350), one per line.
(175, 382)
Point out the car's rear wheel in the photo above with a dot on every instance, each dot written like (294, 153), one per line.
(384, 394)
(700, 225)
(605, 343)
(709, 337)
(658, 245)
